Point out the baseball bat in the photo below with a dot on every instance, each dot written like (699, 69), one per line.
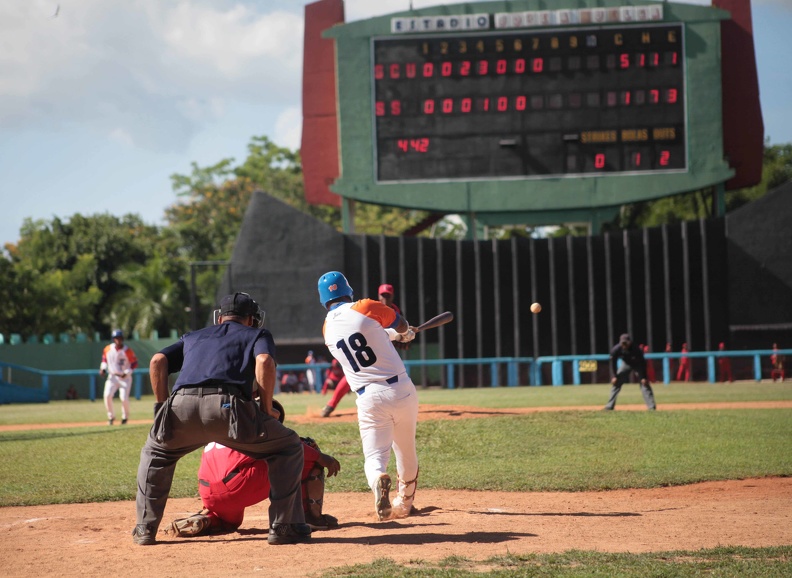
(436, 321)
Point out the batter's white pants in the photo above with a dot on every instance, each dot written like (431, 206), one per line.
(122, 386)
(387, 417)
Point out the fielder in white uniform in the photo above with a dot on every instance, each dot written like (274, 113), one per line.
(359, 336)
(118, 363)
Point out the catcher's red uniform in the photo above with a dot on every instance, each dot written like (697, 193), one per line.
(229, 482)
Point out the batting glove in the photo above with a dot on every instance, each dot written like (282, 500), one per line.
(408, 336)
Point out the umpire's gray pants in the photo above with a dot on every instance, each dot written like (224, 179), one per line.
(189, 422)
(623, 377)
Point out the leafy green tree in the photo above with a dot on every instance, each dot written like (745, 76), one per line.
(61, 271)
(153, 298)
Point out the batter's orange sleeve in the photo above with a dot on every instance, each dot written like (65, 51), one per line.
(380, 312)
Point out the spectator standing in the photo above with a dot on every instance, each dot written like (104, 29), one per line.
(118, 363)
(724, 365)
(776, 364)
(683, 372)
(650, 370)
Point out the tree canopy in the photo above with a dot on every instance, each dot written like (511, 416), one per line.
(91, 273)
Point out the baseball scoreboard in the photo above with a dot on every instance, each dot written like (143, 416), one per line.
(585, 107)
(526, 104)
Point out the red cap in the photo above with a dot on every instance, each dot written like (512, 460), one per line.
(385, 288)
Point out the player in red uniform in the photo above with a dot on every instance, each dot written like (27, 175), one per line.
(776, 364)
(650, 371)
(335, 375)
(230, 481)
(684, 365)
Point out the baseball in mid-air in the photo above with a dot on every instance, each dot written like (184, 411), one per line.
(535, 308)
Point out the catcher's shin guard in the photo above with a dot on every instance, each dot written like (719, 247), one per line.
(402, 503)
(313, 497)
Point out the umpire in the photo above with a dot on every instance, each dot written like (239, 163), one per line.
(633, 360)
(213, 401)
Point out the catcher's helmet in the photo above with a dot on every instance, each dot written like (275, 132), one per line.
(333, 285)
(117, 333)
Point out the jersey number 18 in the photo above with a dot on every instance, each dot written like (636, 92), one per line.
(357, 351)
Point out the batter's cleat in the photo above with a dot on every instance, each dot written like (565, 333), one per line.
(195, 525)
(328, 409)
(110, 421)
(402, 506)
(123, 421)
(381, 498)
(143, 535)
(280, 534)
(323, 522)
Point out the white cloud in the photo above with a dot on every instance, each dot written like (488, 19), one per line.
(121, 136)
(288, 128)
(157, 71)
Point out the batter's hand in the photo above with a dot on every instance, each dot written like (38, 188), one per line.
(406, 337)
(329, 462)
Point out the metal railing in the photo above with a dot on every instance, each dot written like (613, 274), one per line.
(503, 371)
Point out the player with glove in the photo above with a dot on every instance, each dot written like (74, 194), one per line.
(230, 481)
(118, 363)
(387, 402)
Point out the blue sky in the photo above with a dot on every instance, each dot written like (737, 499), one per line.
(103, 102)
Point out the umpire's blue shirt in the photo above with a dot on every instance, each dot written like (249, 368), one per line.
(222, 354)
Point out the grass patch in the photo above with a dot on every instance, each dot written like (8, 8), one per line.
(721, 562)
(558, 451)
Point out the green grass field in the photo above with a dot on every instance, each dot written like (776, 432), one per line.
(560, 451)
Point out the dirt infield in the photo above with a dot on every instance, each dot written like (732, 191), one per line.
(95, 540)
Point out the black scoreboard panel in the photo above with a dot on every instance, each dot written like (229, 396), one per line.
(530, 103)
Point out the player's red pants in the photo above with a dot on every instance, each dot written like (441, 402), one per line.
(226, 501)
(725, 369)
(340, 391)
(684, 370)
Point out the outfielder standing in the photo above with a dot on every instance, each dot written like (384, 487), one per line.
(387, 402)
(118, 363)
(633, 360)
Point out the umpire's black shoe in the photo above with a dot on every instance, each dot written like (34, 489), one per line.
(289, 534)
(143, 535)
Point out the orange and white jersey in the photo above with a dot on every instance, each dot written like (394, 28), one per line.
(118, 361)
(355, 335)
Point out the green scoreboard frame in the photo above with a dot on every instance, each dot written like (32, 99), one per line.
(517, 113)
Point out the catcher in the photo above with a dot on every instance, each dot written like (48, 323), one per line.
(230, 481)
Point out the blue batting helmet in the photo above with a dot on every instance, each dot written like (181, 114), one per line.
(117, 333)
(333, 285)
